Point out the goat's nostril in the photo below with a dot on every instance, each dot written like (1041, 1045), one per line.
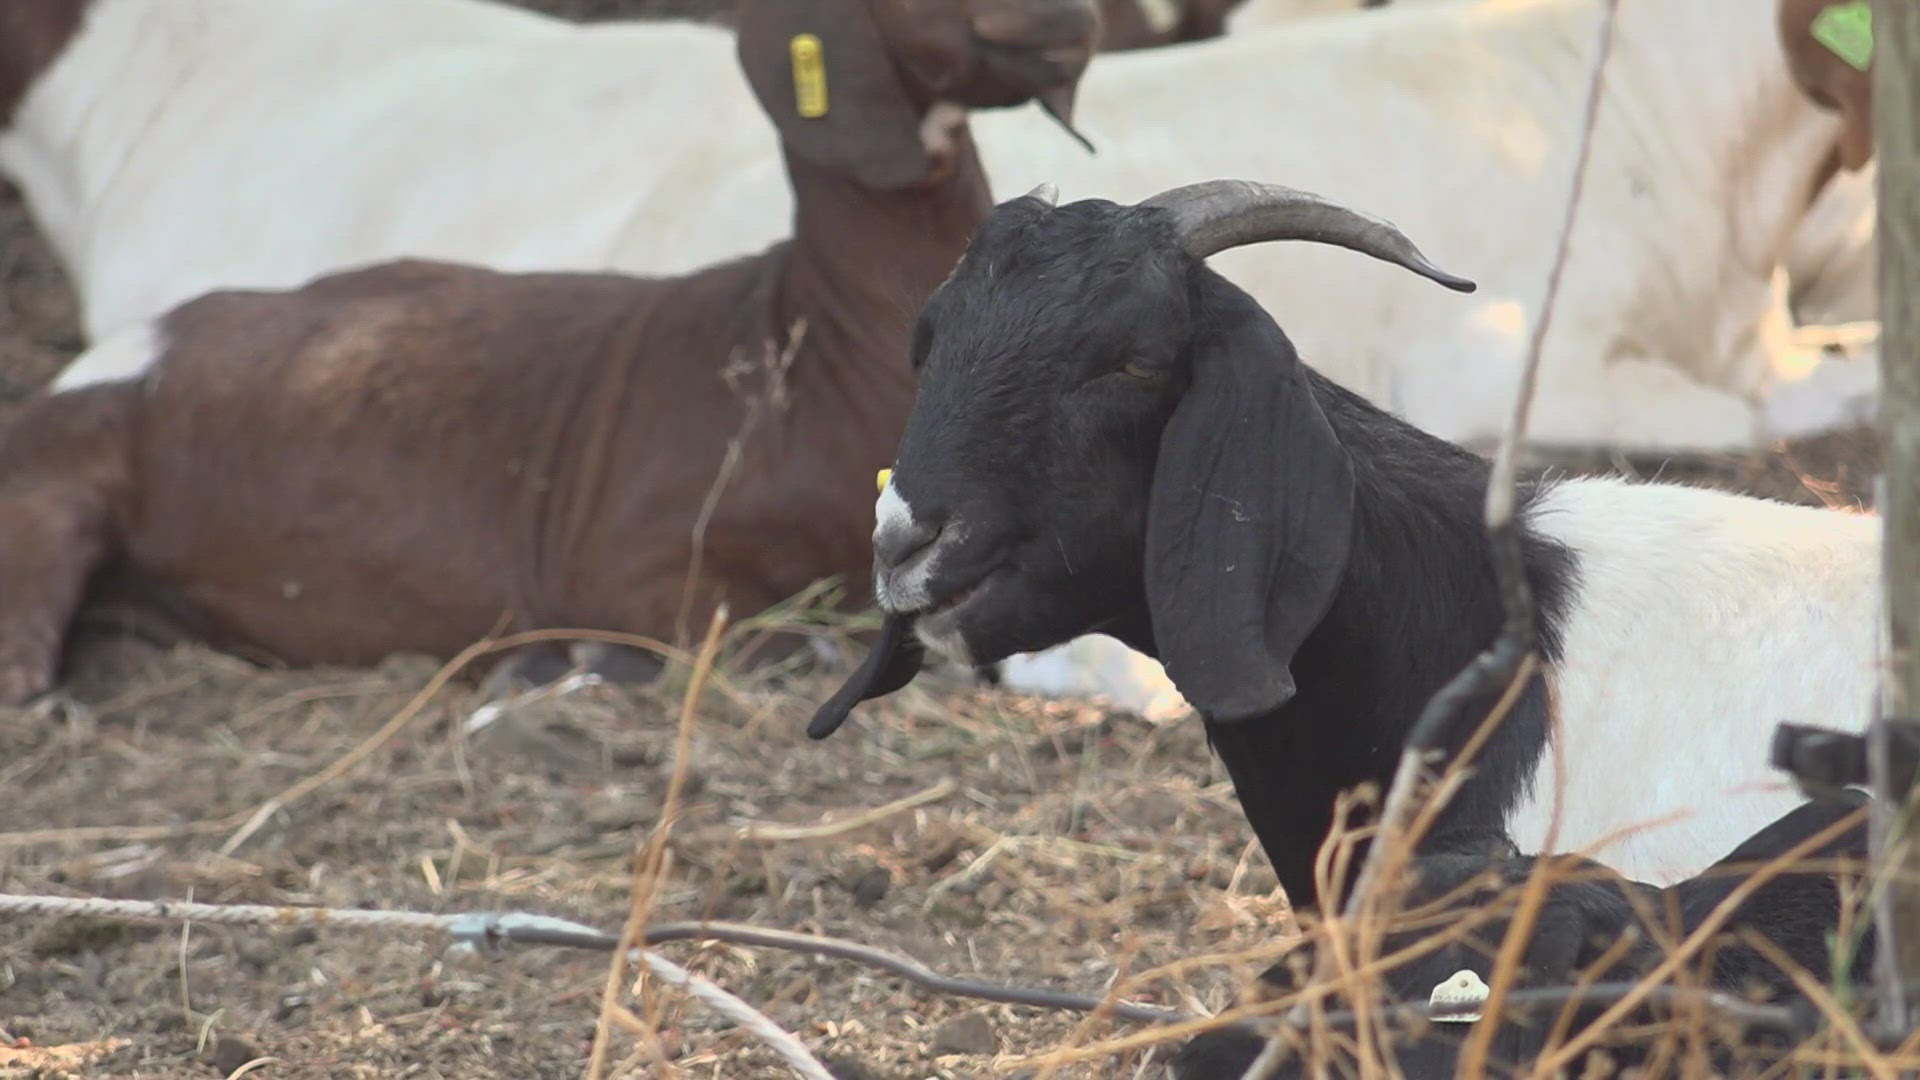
(897, 541)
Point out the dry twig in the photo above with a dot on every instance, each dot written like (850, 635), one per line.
(649, 860)
(766, 830)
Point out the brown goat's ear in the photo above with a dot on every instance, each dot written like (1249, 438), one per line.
(824, 74)
(1249, 521)
(1829, 49)
(894, 661)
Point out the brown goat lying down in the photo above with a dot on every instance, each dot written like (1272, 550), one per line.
(405, 457)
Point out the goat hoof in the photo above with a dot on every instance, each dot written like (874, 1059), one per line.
(1221, 1054)
(548, 662)
(622, 665)
(21, 683)
(529, 668)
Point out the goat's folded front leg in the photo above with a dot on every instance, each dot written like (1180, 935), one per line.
(52, 534)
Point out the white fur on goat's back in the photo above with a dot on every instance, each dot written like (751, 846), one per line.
(183, 145)
(1697, 622)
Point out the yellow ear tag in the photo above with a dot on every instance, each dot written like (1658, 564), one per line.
(809, 76)
(880, 481)
(1847, 30)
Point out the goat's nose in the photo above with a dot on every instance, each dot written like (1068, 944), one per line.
(897, 541)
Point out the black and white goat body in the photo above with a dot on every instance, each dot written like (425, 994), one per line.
(1109, 436)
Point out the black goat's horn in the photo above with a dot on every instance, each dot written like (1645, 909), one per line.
(1214, 215)
(1058, 103)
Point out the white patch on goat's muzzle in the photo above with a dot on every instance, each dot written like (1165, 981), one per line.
(127, 354)
(903, 589)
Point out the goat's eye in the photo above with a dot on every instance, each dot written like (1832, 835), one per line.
(1143, 371)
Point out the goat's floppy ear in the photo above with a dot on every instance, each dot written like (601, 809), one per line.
(825, 75)
(1829, 48)
(1249, 520)
(894, 661)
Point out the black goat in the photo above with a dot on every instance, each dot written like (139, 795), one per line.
(1109, 436)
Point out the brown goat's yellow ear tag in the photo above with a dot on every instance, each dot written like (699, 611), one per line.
(809, 76)
(880, 481)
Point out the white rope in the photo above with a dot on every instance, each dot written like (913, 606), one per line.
(797, 1056)
(171, 911)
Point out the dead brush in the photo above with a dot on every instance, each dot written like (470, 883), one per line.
(1667, 1019)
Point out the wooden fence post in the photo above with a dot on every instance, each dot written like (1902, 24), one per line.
(1896, 105)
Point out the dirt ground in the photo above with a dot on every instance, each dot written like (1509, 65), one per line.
(1074, 843)
(1071, 839)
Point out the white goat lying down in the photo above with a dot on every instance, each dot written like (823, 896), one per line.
(1833, 247)
(177, 146)
(1460, 121)
(1311, 569)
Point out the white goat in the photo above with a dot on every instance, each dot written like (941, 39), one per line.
(1459, 122)
(177, 146)
(1832, 250)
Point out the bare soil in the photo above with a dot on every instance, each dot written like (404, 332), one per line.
(1076, 842)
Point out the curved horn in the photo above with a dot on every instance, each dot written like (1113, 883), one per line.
(1215, 215)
